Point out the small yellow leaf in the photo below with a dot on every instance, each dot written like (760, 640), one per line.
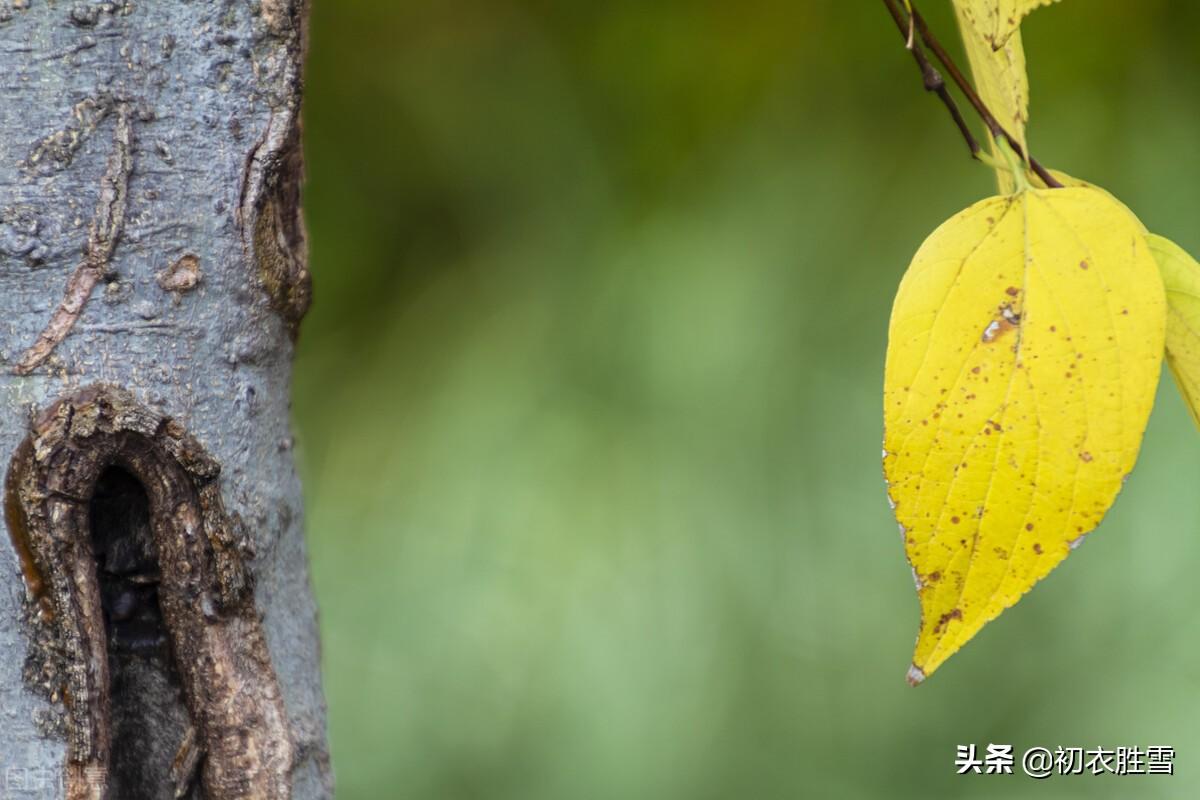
(1181, 279)
(1024, 350)
(1000, 77)
(997, 20)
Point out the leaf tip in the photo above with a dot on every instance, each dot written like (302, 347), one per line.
(915, 676)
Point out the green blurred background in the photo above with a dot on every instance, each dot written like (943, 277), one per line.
(589, 403)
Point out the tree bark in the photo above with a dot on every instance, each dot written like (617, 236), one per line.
(157, 630)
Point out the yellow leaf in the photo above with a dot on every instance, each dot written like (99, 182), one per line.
(997, 21)
(1000, 78)
(1024, 351)
(1181, 279)
(991, 31)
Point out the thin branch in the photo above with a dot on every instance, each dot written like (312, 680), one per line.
(993, 125)
(932, 78)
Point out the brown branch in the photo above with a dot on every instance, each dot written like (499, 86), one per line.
(932, 78)
(993, 125)
(102, 239)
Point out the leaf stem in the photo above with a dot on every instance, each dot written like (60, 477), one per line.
(1013, 164)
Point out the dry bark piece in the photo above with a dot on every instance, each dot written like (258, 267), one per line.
(205, 594)
(182, 276)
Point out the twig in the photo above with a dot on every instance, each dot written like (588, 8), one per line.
(932, 78)
(993, 125)
(102, 239)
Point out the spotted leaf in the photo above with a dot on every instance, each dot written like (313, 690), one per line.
(1000, 78)
(997, 21)
(1024, 351)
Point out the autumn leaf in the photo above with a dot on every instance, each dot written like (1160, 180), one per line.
(996, 21)
(1024, 351)
(992, 38)
(1000, 77)
(1181, 279)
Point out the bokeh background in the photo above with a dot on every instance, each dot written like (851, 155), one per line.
(589, 403)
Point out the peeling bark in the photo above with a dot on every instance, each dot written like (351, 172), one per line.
(157, 630)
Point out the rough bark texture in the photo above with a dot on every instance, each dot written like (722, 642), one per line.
(152, 259)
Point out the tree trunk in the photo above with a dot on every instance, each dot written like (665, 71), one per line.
(157, 630)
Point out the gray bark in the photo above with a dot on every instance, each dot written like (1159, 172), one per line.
(151, 240)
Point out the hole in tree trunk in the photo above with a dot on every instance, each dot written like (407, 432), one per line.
(149, 718)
